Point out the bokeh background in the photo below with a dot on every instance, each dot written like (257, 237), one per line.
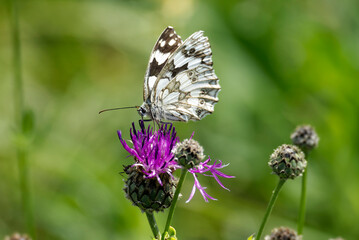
(280, 64)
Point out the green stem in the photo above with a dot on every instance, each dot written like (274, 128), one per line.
(303, 199)
(152, 221)
(25, 192)
(19, 113)
(270, 207)
(301, 215)
(18, 89)
(174, 202)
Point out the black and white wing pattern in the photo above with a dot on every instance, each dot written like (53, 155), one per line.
(166, 44)
(186, 87)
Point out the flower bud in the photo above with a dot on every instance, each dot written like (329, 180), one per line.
(147, 193)
(188, 153)
(305, 137)
(171, 234)
(287, 161)
(283, 233)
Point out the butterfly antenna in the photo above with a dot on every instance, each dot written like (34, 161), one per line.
(111, 109)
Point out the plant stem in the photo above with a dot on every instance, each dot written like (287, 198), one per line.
(174, 202)
(19, 113)
(25, 192)
(18, 89)
(270, 207)
(152, 221)
(303, 199)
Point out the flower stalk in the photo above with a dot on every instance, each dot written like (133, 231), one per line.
(305, 137)
(153, 224)
(20, 114)
(302, 206)
(174, 201)
(303, 200)
(270, 206)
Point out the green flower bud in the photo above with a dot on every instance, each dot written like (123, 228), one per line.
(147, 193)
(188, 153)
(305, 137)
(251, 237)
(283, 233)
(287, 161)
(171, 234)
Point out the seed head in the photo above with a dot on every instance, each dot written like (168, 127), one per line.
(18, 236)
(188, 153)
(287, 161)
(283, 233)
(305, 137)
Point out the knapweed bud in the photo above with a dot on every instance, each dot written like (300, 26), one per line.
(188, 153)
(287, 161)
(171, 234)
(283, 233)
(147, 193)
(305, 137)
(18, 236)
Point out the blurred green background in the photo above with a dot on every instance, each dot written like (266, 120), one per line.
(280, 64)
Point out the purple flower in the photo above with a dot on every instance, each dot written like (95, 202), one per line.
(203, 168)
(153, 154)
(152, 150)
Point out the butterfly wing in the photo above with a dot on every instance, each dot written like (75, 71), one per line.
(187, 87)
(166, 44)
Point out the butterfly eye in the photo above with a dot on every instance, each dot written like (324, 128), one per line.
(142, 111)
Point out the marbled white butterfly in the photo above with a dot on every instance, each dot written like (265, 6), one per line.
(180, 83)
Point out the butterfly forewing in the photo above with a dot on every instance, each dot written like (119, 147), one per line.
(186, 87)
(166, 44)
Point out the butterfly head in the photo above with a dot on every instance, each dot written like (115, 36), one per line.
(144, 110)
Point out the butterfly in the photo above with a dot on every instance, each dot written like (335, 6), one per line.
(180, 83)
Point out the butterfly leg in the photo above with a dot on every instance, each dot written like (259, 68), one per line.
(165, 123)
(154, 124)
(145, 120)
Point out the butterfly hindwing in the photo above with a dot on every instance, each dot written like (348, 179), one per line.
(187, 87)
(166, 44)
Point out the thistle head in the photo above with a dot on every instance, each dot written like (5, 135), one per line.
(287, 161)
(305, 137)
(150, 184)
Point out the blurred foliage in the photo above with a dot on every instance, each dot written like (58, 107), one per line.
(281, 63)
